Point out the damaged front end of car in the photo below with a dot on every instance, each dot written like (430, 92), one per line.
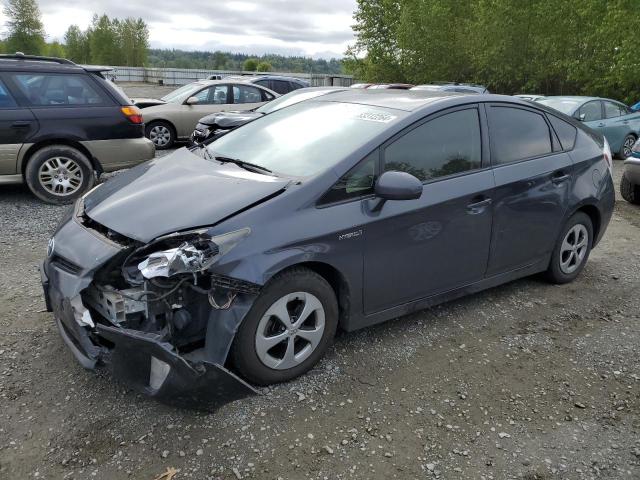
(155, 313)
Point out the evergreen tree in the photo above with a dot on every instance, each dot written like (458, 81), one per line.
(25, 29)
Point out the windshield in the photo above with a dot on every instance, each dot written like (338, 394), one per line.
(289, 99)
(181, 94)
(306, 138)
(565, 105)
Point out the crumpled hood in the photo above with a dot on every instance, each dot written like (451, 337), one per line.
(176, 192)
(227, 120)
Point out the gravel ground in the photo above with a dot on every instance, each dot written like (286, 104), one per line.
(524, 381)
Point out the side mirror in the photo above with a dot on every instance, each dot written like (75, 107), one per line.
(580, 117)
(398, 186)
(192, 101)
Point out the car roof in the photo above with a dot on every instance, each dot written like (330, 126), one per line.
(253, 78)
(42, 64)
(410, 100)
(574, 97)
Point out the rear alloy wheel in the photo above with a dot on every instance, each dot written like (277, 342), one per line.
(627, 147)
(288, 329)
(572, 249)
(59, 174)
(629, 191)
(161, 134)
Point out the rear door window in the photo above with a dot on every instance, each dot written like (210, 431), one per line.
(590, 112)
(59, 89)
(6, 99)
(280, 86)
(517, 134)
(436, 148)
(246, 94)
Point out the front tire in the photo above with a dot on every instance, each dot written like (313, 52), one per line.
(288, 329)
(572, 249)
(162, 134)
(59, 174)
(629, 191)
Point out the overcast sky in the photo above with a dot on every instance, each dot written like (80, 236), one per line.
(318, 28)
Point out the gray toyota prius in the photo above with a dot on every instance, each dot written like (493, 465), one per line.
(201, 275)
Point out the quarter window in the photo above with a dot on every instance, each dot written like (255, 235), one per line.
(246, 94)
(6, 100)
(517, 134)
(566, 132)
(46, 90)
(358, 182)
(443, 146)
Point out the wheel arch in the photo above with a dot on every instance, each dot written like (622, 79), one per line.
(594, 214)
(29, 152)
(161, 120)
(335, 279)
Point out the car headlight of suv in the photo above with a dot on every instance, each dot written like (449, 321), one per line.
(196, 252)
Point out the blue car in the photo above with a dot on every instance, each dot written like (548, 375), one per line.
(636, 107)
(617, 122)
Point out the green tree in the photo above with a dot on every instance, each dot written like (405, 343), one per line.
(104, 41)
(250, 65)
(77, 45)
(264, 67)
(55, 49)
(24, 25)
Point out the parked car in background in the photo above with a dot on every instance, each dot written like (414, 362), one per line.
(613, 119)
(391, 86)
(636, 107)
(452, 87)
(345, 210)
(62, 125)
(212, 126)
(630, 183)
(277, 83)
(530, 97)
(361, 85)
(176, 114)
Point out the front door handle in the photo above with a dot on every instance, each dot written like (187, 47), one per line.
(21, 124)
(602, 125)
(478, 205)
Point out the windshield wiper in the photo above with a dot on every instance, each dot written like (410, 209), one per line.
(252, 167)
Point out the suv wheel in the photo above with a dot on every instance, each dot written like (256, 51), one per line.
(288, 328)
(161, 134)
(572, 250)
(59, 174)
(629, 191)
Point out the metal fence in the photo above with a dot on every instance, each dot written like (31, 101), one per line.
(182, 76)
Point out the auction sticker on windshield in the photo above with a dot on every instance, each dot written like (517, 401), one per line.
(376, 117)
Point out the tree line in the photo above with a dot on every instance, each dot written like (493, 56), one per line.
(117, 42)
(580, 47)
(219, 60)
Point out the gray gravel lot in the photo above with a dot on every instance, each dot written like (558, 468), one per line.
(524, 381)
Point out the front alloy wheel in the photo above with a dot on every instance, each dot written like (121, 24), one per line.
(290, 330)
(60, 176)
(627, 146)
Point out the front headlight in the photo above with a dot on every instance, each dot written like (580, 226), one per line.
(192, 255)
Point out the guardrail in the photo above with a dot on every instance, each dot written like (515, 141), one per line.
(182, 76)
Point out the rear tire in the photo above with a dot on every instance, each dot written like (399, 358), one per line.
(627, 145)
(161, 133)
(256, 352)
(629, 191)
(59, 174)
(572, 249)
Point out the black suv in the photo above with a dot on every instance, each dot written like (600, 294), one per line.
(62, 125)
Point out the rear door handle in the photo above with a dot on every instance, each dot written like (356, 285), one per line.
(560, 177)
(21, 124)
(478, 206)
(602, 124)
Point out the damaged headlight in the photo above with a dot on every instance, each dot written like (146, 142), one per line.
(192, 255)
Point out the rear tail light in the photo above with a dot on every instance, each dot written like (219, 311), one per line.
(606, 151)
(133, 114)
